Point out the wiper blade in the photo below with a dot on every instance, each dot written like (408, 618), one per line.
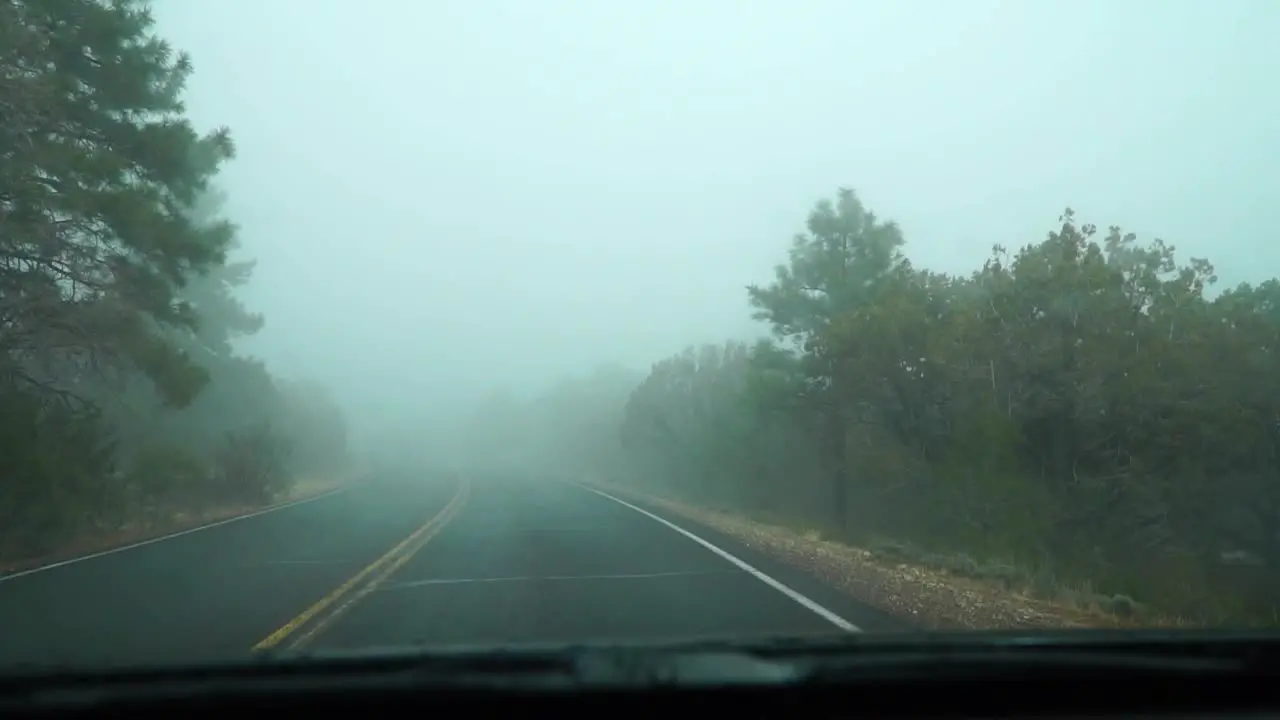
(268, 677)
(526, 668)
(1059, 654)
(1114, 643)
(691, 662)
(779, 661)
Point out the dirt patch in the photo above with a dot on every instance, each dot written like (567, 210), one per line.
(180, 522)
(926, 597)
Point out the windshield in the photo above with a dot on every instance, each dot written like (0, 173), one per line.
(335, 326)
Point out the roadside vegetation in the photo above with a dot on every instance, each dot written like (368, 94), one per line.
(124, 405)
(1085, 418)
(1081, 419)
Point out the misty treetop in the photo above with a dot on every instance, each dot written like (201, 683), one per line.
(103, 170)
(117, 305)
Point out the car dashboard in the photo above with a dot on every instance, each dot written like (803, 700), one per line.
(1015, 676)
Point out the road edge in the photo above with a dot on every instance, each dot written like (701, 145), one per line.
(868, 618)
(37, 565)
(792, 594)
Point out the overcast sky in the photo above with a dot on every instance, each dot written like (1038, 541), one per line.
(448, 196)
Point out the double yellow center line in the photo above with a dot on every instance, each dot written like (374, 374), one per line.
(329, 608)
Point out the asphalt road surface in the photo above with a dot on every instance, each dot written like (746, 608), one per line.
(415, 559)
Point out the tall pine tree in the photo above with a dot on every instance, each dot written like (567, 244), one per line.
(98, 169)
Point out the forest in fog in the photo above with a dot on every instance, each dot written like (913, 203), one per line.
(1085, 410)
(123, 401)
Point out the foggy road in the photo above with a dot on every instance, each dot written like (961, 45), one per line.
(440, 561)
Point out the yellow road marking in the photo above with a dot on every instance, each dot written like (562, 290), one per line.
(398, 562)
(423, 533)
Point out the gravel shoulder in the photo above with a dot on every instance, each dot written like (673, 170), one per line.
(929, 598)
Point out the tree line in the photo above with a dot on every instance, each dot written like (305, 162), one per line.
(123, 400)
(1082, 413)
(569, 429)
(1083, 410)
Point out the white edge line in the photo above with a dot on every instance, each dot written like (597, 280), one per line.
(151, 541)
(741, 564)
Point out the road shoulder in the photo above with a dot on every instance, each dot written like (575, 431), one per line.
(97, 544)
(793, 575)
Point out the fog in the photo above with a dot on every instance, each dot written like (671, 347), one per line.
(447, 199)
(951, 314)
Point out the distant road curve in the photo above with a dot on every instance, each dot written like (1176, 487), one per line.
(414, 558)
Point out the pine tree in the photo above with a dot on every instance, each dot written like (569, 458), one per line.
(98, 169)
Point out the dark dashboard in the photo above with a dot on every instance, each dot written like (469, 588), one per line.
(1094, 675)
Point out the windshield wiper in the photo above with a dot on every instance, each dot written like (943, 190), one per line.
(1072, 656)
